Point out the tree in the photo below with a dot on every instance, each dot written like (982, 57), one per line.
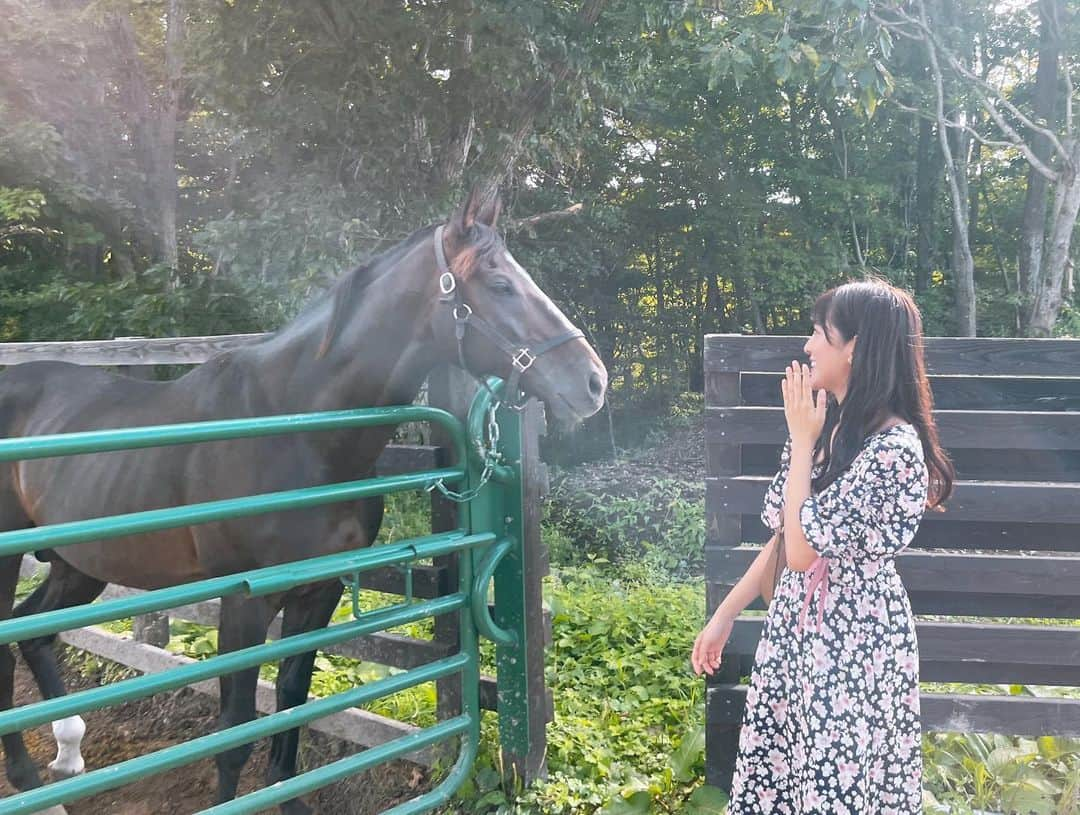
(1053, 155)
(77, 73)
(851, 45)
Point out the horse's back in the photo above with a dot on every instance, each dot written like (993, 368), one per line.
(41, 398)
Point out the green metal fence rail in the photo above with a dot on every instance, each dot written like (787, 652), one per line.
(487, 540)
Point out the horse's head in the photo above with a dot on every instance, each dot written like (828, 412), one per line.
(505, 325)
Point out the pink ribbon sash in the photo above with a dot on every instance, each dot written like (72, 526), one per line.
(816, 575)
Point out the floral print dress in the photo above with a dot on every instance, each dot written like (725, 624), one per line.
(832, 721)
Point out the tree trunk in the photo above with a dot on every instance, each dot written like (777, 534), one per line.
(455, 153)
(1048, 295)
(927, 173)
(1033, 227)
(956, 166)
(534, 104)
(165, 152)
(975, 176)
(154, 128)
(662, 339)
(712, 301)
(696, 372)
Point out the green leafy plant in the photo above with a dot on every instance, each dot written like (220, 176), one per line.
(661, 526)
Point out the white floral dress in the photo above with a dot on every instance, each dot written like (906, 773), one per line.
(832, 725)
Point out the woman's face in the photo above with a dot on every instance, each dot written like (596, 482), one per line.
(830, 361)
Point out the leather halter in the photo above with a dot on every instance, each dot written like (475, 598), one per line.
(522, 357)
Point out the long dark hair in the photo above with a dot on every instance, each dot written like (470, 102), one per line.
(888, 377)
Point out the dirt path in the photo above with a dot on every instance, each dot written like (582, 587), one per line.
(143, 726)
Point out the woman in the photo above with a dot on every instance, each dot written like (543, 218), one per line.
(831, 725)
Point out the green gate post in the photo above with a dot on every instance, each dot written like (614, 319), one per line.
(521, 692)
(523, 698)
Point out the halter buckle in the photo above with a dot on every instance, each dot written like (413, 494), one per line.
(468, 312)
(447, 283)
(523, 360)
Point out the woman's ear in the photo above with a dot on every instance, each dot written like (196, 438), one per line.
(850, 348)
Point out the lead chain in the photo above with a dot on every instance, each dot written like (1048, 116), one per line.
(489, 454)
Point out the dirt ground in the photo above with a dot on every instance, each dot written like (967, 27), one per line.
(680, 456)
(140, 727)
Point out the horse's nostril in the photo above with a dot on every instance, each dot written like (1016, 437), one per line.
(596, 385)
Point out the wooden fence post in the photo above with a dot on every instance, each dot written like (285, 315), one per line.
(722, 389)
(446, 389)
(151, 628)
(534, 488)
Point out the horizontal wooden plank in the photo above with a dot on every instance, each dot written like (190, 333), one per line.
(1004, 536)
(356, 726)
(944, 355)
(397, 459)
(959, 429)
(1043, 501)
(971, 652)
(428, 581)
(973, 604)
(382, 648)
(385, 649)
(950, 392)
(959, 536)
(945, 572)
(943, 712)
(983, 464)
(966, 604)
(126, 351)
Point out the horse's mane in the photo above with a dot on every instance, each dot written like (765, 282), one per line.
(352, 283)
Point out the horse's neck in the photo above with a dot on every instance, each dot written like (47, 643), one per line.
(380, 356)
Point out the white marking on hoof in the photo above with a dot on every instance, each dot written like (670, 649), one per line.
(56, 810)
(69, 734)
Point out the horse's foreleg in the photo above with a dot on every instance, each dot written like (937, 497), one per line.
(305, 611)
(63, 588)
(243, 624)
(20, 768)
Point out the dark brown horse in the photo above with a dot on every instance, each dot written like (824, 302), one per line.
(446, 294)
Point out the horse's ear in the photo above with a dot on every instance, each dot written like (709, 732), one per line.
(469, 213)
(490, 213)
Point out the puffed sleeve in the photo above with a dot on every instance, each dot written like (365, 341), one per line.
(873, 510)
(772, 513)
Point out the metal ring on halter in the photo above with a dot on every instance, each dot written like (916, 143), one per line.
(447, 283)
(523, 354)
(468, 311)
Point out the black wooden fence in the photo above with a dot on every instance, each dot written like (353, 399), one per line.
(1009, 414)
(448, 388)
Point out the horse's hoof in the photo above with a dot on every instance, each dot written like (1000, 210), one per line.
(59, 771)
(56, 810)
(295, 807)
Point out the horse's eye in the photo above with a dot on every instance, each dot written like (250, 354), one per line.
(501, 285)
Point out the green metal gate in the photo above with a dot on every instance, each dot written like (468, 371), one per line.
(487, 476)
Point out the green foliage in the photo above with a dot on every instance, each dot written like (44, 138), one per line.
(27, 585)
(628, 728)
(145, 306)
(994, 772)
(19, 205)
(729, 165)
(658, 530)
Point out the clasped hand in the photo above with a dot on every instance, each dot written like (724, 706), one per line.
(805, 418)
